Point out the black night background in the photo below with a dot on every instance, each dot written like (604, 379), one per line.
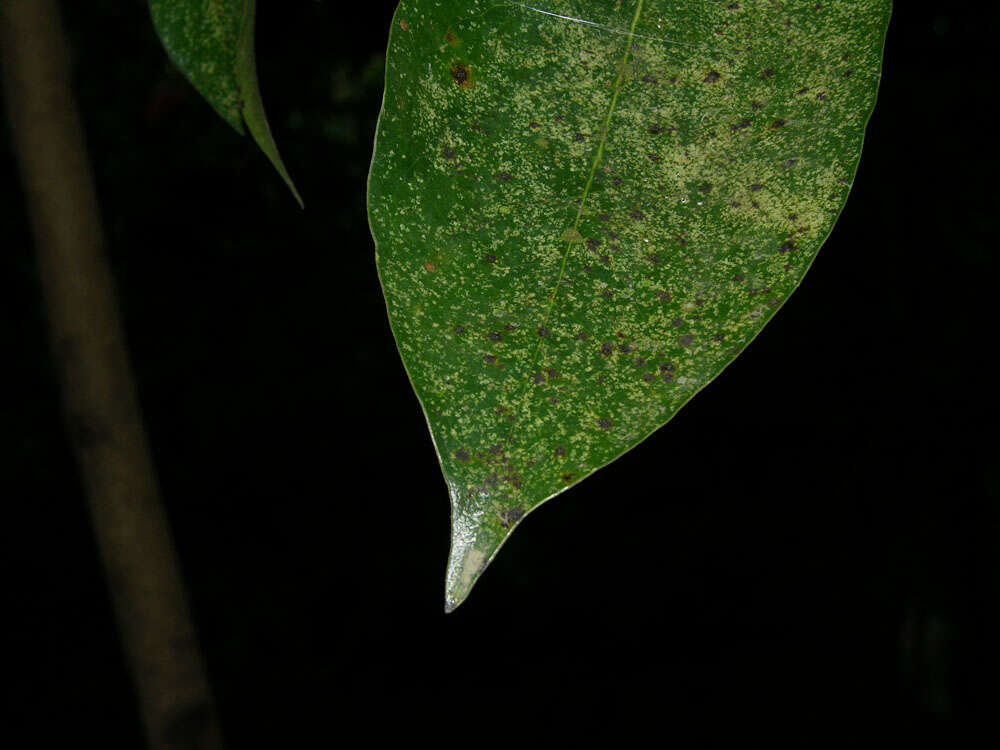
(808, 551)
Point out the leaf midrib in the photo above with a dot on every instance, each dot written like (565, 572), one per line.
(605, 129)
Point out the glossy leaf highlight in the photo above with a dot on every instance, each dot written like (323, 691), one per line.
(583, 211)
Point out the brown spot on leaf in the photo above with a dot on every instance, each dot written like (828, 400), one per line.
(460, 74)
(604, 423)
(711, 77)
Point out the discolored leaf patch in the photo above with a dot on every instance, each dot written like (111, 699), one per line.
(647, 182)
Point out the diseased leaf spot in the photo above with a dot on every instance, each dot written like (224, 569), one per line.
(510, 516)
(462, 455)
(460, 74)
(685, 340)
(711, 77)
(543, 331)
(604, 423)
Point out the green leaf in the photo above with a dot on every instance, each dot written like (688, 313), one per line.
(585, 210)
(211, 41)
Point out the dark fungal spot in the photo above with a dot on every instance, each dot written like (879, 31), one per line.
(624, 348)
(789, 163)
(552, 373)
(686, 340)
(741, 124)
(667, 377)
(617, 181)
(711, 77)
(579, 136)
(801, 91)
(494, 336)
(553, 400)
(767, 73)
(503, 176)
(604, 217)
(534, 124)
(739, 278)
(458, 330)
(639, 362)
(777, 124)
(677, 322)
(756, 187)
(489, 359)
(653, 157)
(462, 455)
(663, 296)
(606, 260)
(543, 331)
(787, 246)
(706, 188)
(821, 95)
(460, 74)
(582, 335)
(510, 516)
(649, 79)
(606, 348)
(718, 337)
(490, 258)
(538, 378)
(448, 153)
(567, 478)
(593, 243)
(733, 6)
(560, 450)
(637, 215)
(773, 302)
(655, 129)
(756, 105)
(847, 73)
(604, 423)
(648, 377)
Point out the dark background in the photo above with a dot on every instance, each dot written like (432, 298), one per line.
(808, 550)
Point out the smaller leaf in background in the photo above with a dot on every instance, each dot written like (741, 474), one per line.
(211, 41)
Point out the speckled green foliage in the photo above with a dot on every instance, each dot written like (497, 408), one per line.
(584, 210)
(211, 41)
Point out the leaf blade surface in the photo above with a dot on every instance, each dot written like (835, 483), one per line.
(583, 211)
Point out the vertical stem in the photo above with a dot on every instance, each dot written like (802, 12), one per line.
(98, 390)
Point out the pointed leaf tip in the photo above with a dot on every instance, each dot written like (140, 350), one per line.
(212, 43)
(476, 537)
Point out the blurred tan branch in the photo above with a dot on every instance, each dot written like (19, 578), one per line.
(98, 390)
